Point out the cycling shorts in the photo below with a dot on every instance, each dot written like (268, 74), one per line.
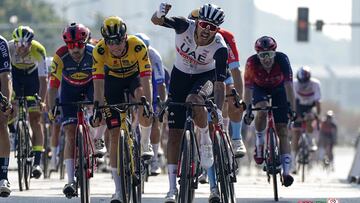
(26, 84)
(181, 85)
(279, 99)
(70, 93)
(114, 94)
(302, 110)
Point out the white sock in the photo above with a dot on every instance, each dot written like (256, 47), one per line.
(172, 172)
(226, 124)
(259, 140)
(69, 163)
(204, 136)
(156, 150)
(117, 180)
(145, 134)
(286, 163)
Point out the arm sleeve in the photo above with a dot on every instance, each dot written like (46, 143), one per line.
(5, 64)
(179, 24)
(144, 62)
(248, 75)
(98, 63)
(286, 68)
(157, 66)
(220, 57)
(233, 58)
(42, 69)
(57, 66)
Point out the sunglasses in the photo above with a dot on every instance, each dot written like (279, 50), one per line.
(114, 41)
(207, 25)
(22, 43)
(72, 45)
(266, 54)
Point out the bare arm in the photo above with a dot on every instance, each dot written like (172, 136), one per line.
(43, 87)
(162, 91)
(51, 97)
(99, 91)
(238, 83)
(147, 86)
(219, 93)
(290, 95)
(248, 93)
(5, 81)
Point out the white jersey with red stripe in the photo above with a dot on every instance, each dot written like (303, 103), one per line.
(309, 92)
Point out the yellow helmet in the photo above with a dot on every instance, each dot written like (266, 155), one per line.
(194, 14)
(113, 27)
(23, 34)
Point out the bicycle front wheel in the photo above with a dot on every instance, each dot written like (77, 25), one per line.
(83, 167)
(273, 162)
(20, 135)
(124, 167)
(28, 157)
(185, 169)
(220, 165)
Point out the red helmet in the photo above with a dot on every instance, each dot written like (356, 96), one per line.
(265, 43)
(76, 33)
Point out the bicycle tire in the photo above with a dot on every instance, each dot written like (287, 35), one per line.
(20, 134)
(184, 169)
(273, 162)
(45, 157)
(123, 165)
(230, 167)
(137, 187)
(222, 177)
(83, 167)
(61, 164)
(28, 157)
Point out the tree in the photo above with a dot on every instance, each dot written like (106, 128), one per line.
(37, 14)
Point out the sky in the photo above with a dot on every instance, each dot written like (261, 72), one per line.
(328, 10)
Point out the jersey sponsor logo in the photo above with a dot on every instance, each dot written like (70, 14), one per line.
(217, 41)
(100, 50)
(125, 62)
(147, 66)
(145, 56)
(192, 56)
(3, 49)
(79, 76)
(138, 48)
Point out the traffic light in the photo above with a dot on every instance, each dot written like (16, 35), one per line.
(302, 24)
(319, 25)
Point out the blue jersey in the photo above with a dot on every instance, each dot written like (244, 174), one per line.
(5, 65)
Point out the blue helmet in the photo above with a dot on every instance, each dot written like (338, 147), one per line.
(143, 38)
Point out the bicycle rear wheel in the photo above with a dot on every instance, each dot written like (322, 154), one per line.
(20, 135)
(220, 165)
(273, 162)
(83, 167)
(185, 169)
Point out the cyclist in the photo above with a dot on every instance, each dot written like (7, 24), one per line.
(159, 89)
(307, 96)
(328, 137)
(201, 55)
(75, 85)
(269, 72)
(5, 85)
(121, 62)
(230, 112)
(29, 74)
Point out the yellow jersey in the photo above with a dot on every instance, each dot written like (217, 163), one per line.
(135, 61)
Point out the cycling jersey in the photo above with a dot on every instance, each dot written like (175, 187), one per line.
(65, 69)
(4, 56)
(135, 61)
(307, 93)
(158, 72)
(256, 75)
(75, 80)
(233, 56)
(194, 59)
(34, 60)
